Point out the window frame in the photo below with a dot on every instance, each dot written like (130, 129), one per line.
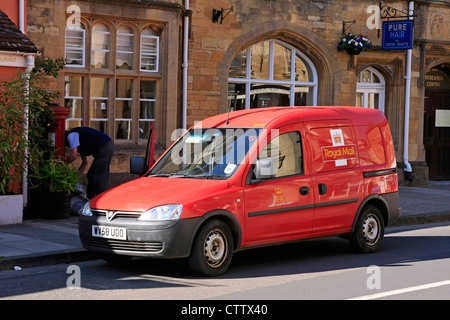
(132, 52)
(103, 98)
(77, 98)
(108, 51)
(82, 49)
(85, 49)
(118, 120)
(248, 81)
(367, 88)
(301, 164)
(156, 55)
(152, 100)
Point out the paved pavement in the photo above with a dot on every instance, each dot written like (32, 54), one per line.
(43, 242)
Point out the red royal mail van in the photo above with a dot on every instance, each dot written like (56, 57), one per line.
(250, 178)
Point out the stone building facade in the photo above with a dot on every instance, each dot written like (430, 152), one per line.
(126, 66)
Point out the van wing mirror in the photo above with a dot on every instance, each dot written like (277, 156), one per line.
(137, 165)
(265, 168)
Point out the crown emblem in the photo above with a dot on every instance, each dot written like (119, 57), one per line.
(337, 138)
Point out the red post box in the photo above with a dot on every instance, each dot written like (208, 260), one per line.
(56, 128)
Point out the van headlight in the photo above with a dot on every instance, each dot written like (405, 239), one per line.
(87, 210)
(166, 212)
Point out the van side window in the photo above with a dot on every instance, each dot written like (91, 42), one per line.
(286, 150)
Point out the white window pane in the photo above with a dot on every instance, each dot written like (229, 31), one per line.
(125, 48)
(74, 97)
(239, 66)
(75, 47)
(282, 63)
(149, 50)
(123, 130)
(359, 99)
(260, 61)
(148, 89)
(144, 129)
(147, 110)
(98, 109)
(302, 73)
(101, 126)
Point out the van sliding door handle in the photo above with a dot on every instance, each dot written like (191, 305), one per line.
(322, 188)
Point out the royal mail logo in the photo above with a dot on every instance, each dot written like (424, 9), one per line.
(279, 195)
(333, 153)
(337, 138)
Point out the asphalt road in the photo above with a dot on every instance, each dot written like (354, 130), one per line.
(414, 263)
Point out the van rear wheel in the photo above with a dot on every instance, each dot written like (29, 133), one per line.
(369, 232)
(212, 250)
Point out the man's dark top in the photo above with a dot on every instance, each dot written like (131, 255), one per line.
(91, 140)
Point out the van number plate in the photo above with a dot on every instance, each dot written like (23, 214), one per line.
(109, 232)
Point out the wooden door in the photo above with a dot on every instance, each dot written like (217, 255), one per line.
(437, 134)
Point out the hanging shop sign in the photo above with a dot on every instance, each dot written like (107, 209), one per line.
(397, 35)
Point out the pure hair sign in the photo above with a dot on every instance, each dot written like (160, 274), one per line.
(397, 35)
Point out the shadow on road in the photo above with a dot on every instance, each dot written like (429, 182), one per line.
(296, 258)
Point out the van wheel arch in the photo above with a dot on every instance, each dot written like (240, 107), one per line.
(227, 217)
(374, 200)
(214, 243)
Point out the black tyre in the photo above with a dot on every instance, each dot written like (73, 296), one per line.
(212, 251)
(369, 232)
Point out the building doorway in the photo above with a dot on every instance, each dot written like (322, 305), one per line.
(437, 122)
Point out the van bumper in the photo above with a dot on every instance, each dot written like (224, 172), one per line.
(165, 239)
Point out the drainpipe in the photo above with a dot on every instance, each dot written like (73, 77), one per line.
(185, 65)
(30, 66)
(408, 169)
(22, 16)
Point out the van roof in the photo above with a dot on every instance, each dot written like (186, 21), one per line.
(269, 117)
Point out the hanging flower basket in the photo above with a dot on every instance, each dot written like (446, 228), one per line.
(354, 44)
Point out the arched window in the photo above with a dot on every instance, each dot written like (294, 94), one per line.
(271, 73)
(125, 48)
(149, 50)
(100, 46)
(75, 46)
(370, 89)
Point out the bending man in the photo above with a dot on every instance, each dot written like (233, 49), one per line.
(86, 141)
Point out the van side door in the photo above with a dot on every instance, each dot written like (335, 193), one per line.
(280, 205)
(336, 175)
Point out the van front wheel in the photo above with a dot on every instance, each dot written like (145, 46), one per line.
(369, 231)
(212, 250)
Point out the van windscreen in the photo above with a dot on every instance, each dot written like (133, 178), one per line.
(213, 153)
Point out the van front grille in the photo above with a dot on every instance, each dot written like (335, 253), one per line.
(131, 246)
(116, 214)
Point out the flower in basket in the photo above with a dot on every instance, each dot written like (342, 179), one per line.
(354, 44)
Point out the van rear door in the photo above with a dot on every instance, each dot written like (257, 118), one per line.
(281, 203)
(336, 175)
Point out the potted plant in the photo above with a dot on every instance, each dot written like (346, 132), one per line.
(53, 181)
(354, 44)
(22, 102)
